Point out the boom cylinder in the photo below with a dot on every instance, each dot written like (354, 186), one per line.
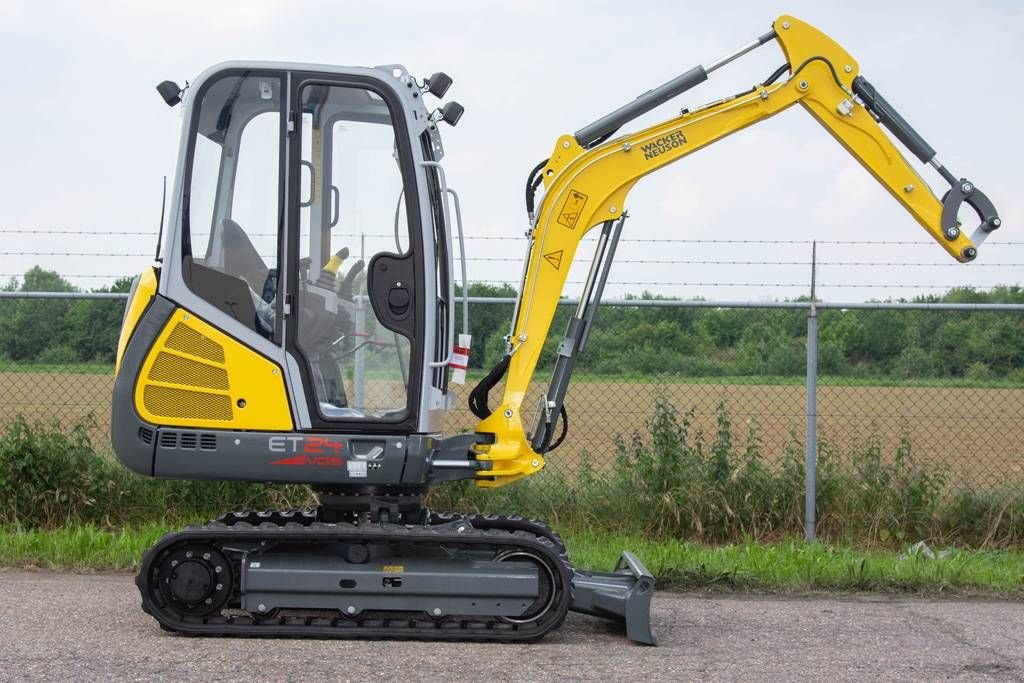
(609, 123)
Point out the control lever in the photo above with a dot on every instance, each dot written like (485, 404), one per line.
(329, 272)
(346, 290)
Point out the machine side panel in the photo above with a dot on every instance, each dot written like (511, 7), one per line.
(195, 375)
(143, 290)
(285, 458)
(132, 438)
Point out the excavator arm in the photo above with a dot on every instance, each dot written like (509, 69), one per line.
(589, 175)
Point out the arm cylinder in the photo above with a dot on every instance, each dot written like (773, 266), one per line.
(891, 119)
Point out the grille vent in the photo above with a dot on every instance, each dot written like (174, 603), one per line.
(182, 403)
(178, 370)
(187, 340)
(187, 441)
(188, 380)
(146, 435)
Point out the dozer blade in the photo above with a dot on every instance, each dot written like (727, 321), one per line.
(622, 595)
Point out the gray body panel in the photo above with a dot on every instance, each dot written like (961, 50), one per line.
(281, 457)
(128, 432)
(434, 586)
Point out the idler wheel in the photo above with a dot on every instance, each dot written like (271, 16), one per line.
(546, 596)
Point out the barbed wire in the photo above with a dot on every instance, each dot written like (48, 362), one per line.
(743, 284)
(651, 283)
(657, 240)
(517, 261)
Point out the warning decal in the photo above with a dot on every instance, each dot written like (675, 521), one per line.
(554, 258)
(572, 208)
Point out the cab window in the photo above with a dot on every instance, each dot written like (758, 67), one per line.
(233, 219)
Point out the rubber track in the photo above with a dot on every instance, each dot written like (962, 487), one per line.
(382, 625)
(479, 521)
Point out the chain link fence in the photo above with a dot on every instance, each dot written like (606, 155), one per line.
(694, 416)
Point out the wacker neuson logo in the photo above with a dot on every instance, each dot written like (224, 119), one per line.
(664, 144)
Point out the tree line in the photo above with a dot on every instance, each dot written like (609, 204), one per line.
(719, 342)
(628, 340)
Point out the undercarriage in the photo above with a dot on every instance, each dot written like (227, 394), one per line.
(428, 576)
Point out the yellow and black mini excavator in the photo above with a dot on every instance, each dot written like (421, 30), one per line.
(271, 343)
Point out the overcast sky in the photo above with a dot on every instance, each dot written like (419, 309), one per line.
(86, 138)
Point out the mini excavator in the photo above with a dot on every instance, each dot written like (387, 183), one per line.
(251, 351)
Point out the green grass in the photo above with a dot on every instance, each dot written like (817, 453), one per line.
(58, 368)
(787, 567)
(793, 566)
(76, 547)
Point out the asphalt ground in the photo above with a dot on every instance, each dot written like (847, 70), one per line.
(87, 627)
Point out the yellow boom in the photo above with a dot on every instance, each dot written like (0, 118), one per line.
(586, 183)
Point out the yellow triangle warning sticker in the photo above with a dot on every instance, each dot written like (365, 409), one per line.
(571, 208)
(554, 258)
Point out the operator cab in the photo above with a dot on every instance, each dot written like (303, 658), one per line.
(310, 224)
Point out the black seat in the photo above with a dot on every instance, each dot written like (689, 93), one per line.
(241, 258)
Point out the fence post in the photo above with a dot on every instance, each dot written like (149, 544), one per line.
(811, 450)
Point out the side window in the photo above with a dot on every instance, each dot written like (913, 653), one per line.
(254, 200)
(233, 219)
(205, 170)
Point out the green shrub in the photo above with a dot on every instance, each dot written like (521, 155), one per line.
(674, 480)
(915, 362)
(51, 476)
(58, 355)
(978, 372)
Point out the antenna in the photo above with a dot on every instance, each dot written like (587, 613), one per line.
(160, 235)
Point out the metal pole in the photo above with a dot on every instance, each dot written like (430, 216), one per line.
(811, 451)
(359, 371)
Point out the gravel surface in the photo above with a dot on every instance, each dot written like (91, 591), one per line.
(67, 626)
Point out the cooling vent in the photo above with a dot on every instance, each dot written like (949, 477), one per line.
(179, 370)
(146, 435)
(183, 338)
(188, 380)
(208, 442)
(168, 439)
(188, 441)
(181, 403)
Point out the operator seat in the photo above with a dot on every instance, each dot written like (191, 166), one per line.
(240, 256)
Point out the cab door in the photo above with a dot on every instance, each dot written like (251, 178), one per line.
(355, 268)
